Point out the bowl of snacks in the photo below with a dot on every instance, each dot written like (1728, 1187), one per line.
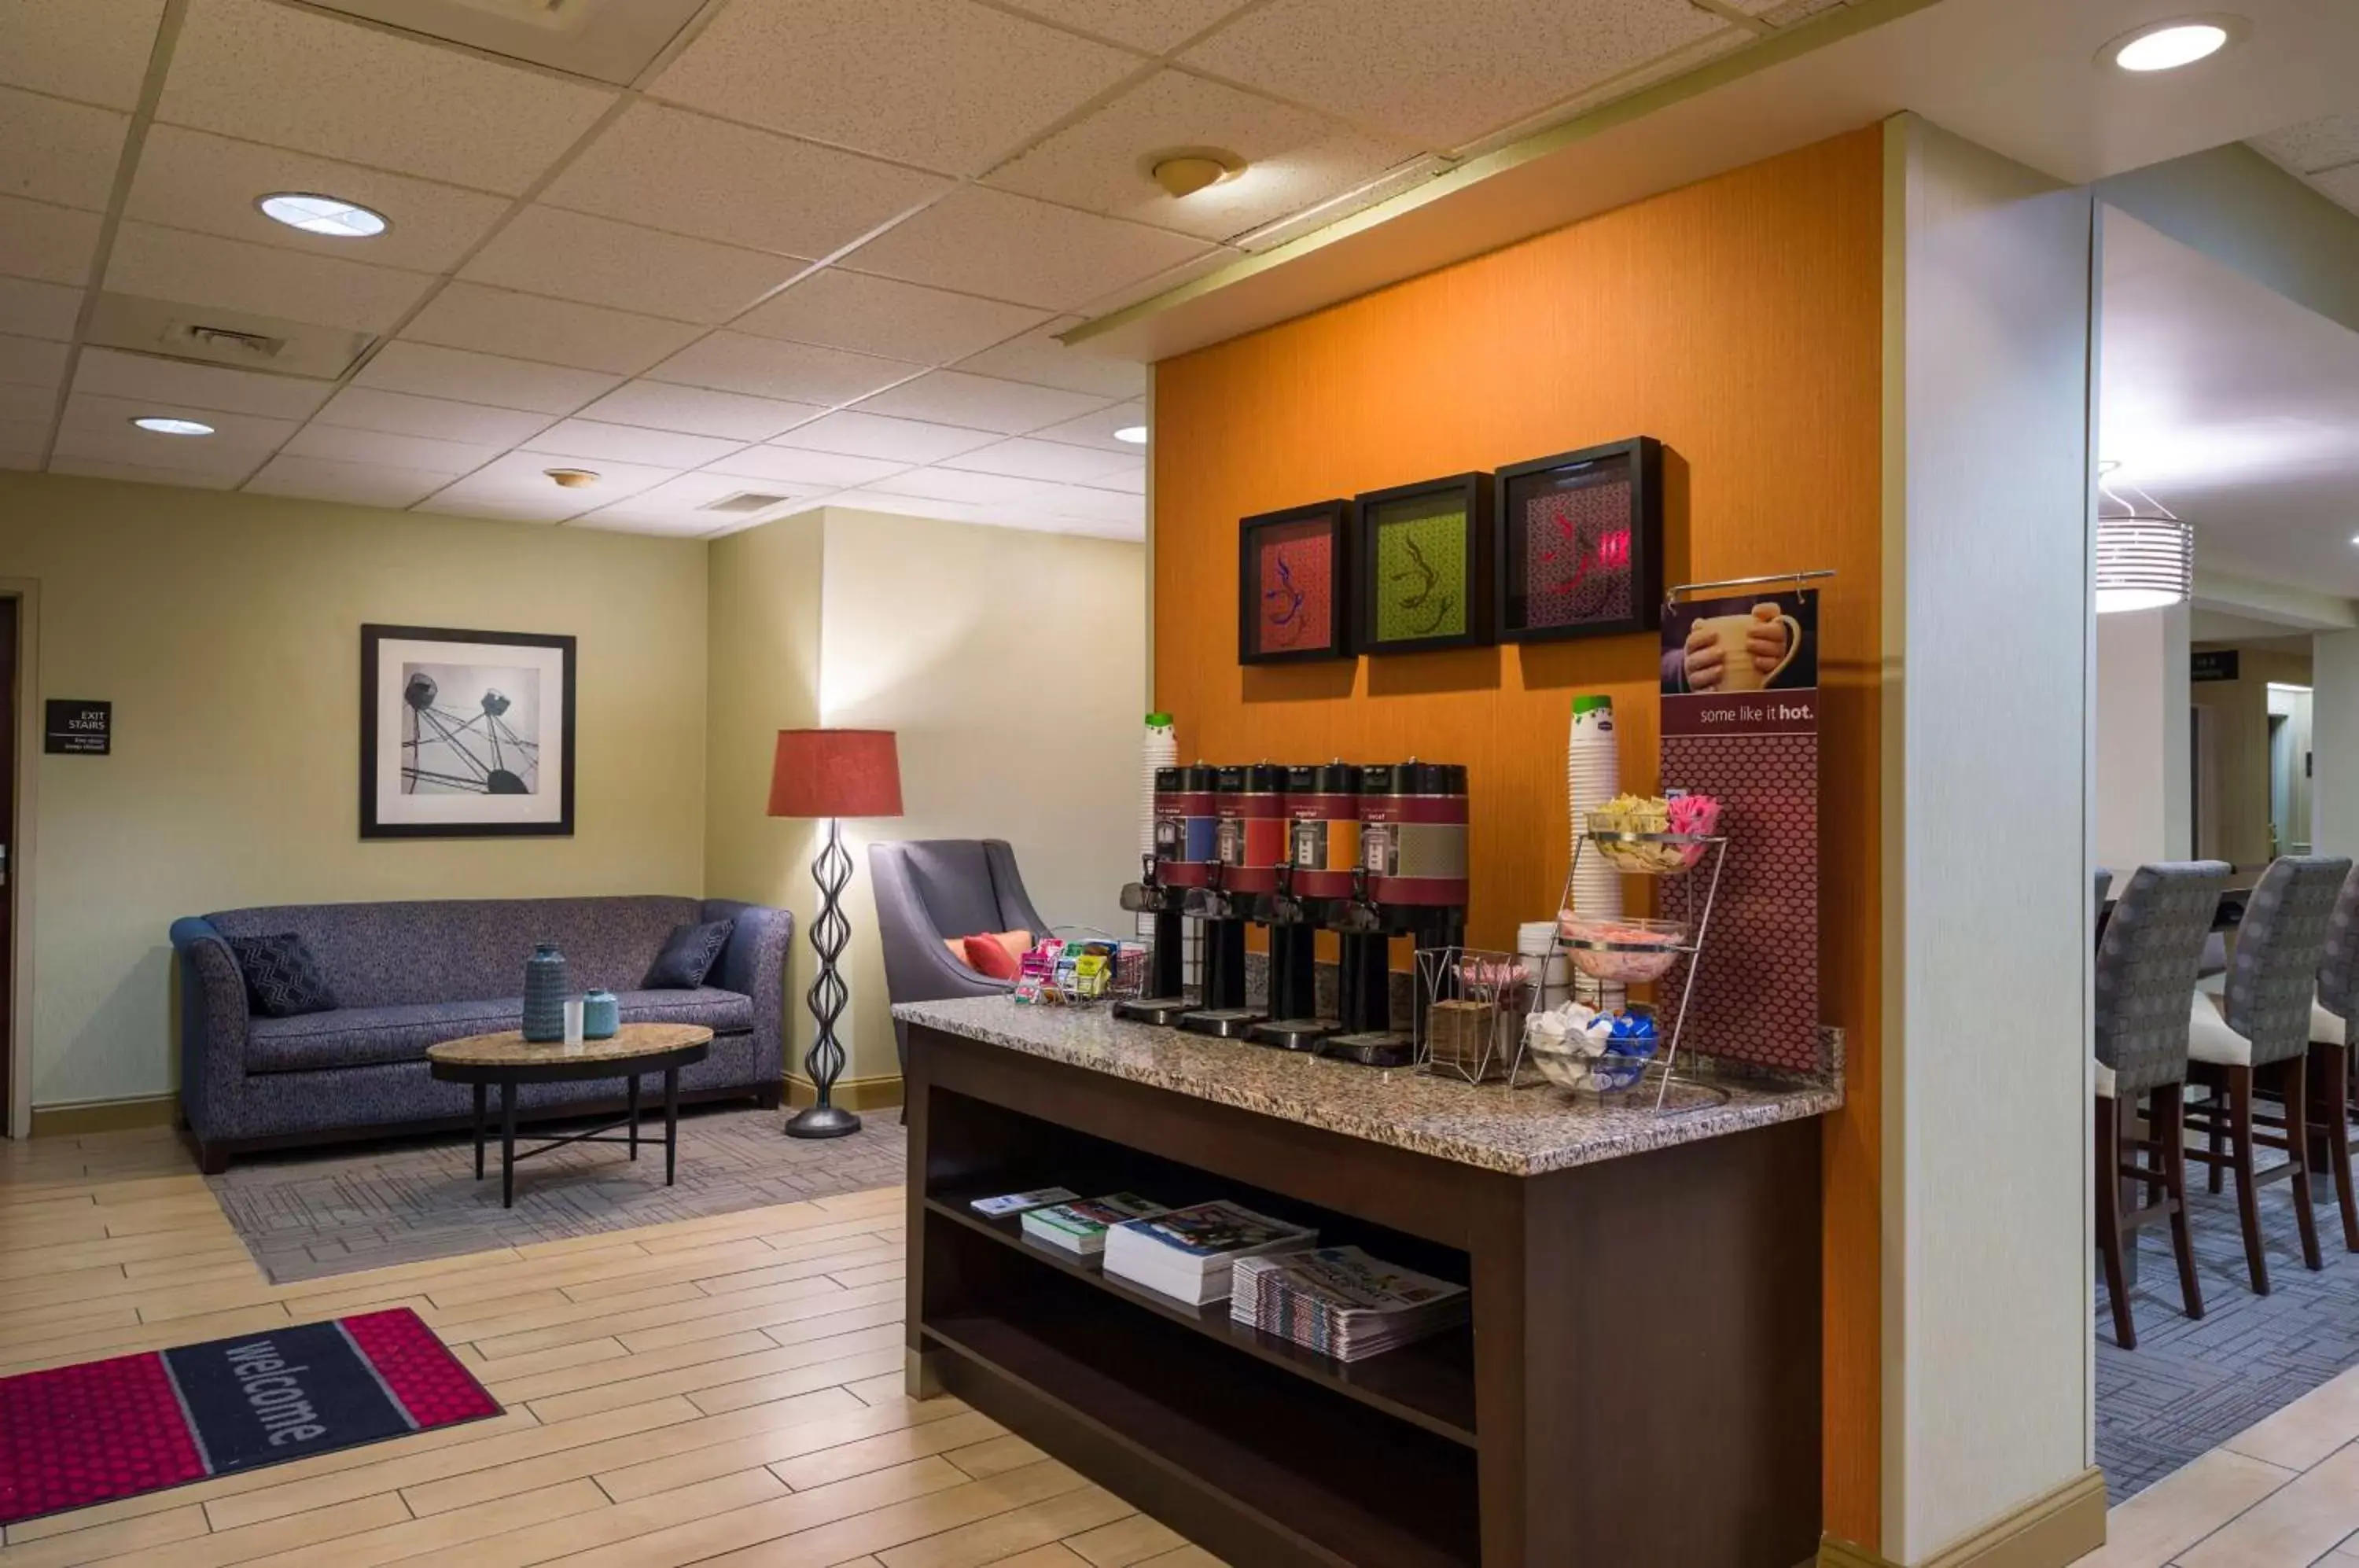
(1626, 952)
(1654, 836)
(1589, 1052)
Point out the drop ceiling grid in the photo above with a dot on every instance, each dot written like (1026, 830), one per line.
(590, 187)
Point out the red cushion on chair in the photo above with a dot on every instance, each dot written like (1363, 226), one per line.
(1000, 956)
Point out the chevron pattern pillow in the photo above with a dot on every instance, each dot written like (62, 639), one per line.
(688, 956)
(282, 978)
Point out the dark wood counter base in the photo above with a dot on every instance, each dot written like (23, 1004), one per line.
(1639, 1388)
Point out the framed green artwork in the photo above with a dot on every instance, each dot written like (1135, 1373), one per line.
(1423, 555)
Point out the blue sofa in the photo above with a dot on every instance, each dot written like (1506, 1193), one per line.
(409, 975)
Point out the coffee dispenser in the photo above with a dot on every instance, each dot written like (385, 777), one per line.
(1249, 803)
(1412, 882)
(1314, 880)
(1186, 857)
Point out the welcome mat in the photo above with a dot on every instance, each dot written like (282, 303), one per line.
(101, 1431)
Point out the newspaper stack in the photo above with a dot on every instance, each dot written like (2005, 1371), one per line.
(1339, 1302)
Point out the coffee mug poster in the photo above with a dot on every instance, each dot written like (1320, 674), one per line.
(465, 733)
(1744, 643)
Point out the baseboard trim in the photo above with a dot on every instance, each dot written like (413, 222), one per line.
(852, 1093)
(78, 1117)
(2057, 1528)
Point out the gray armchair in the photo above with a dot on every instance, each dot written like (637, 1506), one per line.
(929, 892)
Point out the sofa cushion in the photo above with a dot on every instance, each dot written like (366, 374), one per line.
(688, 956)
(282, 978)
(366, 1037)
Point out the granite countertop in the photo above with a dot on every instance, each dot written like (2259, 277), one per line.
(1523, 1132)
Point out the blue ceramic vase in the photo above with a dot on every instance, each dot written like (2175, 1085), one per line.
(546, 986)
(602, 1014)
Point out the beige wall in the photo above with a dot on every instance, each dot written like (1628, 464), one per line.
(1009, 662)
(2236, 770)
(225, 630)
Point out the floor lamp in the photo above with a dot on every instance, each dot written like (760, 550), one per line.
(827, 775)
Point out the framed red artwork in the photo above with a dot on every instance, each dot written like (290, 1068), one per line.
(1293, 577)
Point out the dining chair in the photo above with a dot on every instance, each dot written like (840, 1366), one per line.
(2252, 1038)
(2145, 974)
(2103, 881)
(2330, 1014)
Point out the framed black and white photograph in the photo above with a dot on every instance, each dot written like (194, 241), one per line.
(465, 733)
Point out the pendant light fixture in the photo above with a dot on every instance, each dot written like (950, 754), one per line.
(2146, 557)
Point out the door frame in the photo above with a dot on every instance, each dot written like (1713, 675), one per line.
(27, 591)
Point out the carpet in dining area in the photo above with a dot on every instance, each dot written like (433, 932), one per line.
(308, 1213)
(2192, 1385)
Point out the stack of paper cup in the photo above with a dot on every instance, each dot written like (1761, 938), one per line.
(1160, 748)
(1592, 776)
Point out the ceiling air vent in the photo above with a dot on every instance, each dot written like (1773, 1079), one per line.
(744, 501)
(211, 336)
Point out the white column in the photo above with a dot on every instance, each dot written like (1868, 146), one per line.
(2143, 778)
(2334, 742)
(1985, 895)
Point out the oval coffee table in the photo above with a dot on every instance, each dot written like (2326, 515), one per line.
(509, 1058)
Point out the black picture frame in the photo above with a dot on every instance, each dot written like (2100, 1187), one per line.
(1472, 493)
(375, 821)
(1639, 460)
(1336, 517)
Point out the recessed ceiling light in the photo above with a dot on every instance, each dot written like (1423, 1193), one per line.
(572, 478)
(2166, 46)
(1135, 434)
(330, 215)
(163, 426)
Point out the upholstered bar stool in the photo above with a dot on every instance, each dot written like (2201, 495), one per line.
(2253, 1038)
(2145, 972)
(2329, 1051)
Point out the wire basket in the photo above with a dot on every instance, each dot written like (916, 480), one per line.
(1471, 1008)
(1083, 969)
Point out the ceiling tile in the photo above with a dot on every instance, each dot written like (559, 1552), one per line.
(678, 504)
(517, 485)
(357, 484)
(1360, 197)
(1097, 430)
(385, 450)
(1130, 480)
(799, 373)
(948, 484)
(1153, 28)
(31, 362)
(2341, 185)
(55, 151)
(592, 440)
(200, 269)
(52, 245)
(1025, 459)
(906, 506)
(28, 406)
(946, 84)
(626, 519)
(1443, 74)
(92, 50)
(139, 473)
(38, 309)
(19, 452)
(854, 434)
(877, 315)
(2314, 144)
(1097, 506)
(100, 428)
(112, 372)
(1039, 358)
(437, 418)
(979, 402)
(671, 169)
(1011, 247)
(1149, 287)
(557, 331)
(1294, 158)
(595, 261)
(189, 179)
(815, 469)
(296, 79)
(467, 378)
(700, 411)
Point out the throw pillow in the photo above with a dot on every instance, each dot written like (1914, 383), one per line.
(688, 956)
(998, 956)
(282, 978)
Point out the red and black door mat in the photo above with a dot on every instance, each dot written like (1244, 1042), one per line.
(100, 1431)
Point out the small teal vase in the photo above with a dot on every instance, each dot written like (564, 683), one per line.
(546, 986)
(602, 1014)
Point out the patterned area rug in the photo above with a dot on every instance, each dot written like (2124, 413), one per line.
(2189, 1386)
(304, 1215)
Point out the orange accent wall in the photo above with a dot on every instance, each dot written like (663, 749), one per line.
(1738, 321)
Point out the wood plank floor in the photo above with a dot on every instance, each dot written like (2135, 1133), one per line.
(724, 1390)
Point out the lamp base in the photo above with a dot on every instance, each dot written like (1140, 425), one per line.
(823, 1121)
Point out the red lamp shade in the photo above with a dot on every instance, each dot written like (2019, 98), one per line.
(835, 773)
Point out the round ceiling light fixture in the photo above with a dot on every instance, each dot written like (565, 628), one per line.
(1183, 172)
(572, 478)
(330, 216)
(2145, 559)
(2168, 45)
(1135, 434)
(164, 425)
